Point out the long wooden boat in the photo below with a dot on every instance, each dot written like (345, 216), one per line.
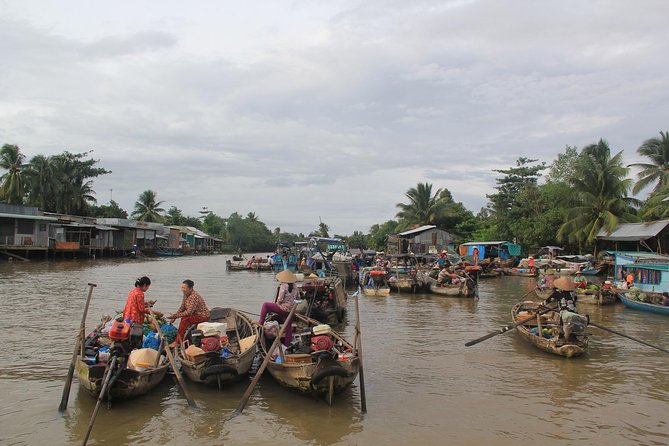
(544, 332)
(632, 302)
(374, 282)
(523, 272)
(323, 299)
(234, 362)
(126, 382)
(306, 370)
(463, 289)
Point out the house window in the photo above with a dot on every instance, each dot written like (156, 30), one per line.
(26, 227)
(42, 227)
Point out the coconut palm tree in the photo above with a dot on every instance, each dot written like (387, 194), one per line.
(601, 185)
(42, 184)
(423, 207)
(12, 183)
(657, 171)
(147, 208)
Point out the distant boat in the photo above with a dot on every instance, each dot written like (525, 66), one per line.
(169, 252)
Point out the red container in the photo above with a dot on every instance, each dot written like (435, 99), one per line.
(120, 331)
(321, 343)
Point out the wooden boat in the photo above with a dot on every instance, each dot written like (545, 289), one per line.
(647, 302)
(596, 297)
(374, 282)
(463, 289)
(126, 381)
(523, 272)
(217, 368)
(549, 326)
(491, 273)
(317, 364)
(323, 299)
(410, 282)
(169, 252)
(236, 266)
(543, 293)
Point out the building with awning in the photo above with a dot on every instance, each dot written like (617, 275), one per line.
(650, 236)
(23, 229)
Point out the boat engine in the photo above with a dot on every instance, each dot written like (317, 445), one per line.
(321, 343)
(125, 338)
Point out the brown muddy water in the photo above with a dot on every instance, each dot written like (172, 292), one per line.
(423, 385)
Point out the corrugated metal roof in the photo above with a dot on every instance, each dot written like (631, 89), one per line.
(634, 231)
(28, 217)
(417, 230)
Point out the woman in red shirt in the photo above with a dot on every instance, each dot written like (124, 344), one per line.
(135, 307)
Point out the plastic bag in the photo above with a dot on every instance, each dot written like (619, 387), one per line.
(151, 340)
(169, 332)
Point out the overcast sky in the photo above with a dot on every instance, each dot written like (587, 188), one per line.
(300, 110)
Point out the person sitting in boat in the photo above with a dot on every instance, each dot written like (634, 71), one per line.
(580, 281)
(250, 261)
(607, 285)
(285, 301)
(193, 310)
(448, 275)
(547, 281)
(665, 299)
(135, 307)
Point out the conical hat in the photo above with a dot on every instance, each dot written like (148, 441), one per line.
(564, 284)
(286, 276)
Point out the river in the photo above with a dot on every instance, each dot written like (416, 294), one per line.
(423, 386)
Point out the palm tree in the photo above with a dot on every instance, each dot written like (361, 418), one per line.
(83, 197)
(12, 188)
(657, 171)
(601, 185)
(41, 183)
(147, 209)
(423, 208)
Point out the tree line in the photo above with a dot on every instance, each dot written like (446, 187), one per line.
(566, 202)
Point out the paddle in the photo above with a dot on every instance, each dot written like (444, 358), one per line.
(358, 346)
(629, 337)
(105, 383)
(263, 366)
(168, 352)
(77, 347)
(506, 328)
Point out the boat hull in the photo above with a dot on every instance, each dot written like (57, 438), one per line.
(554, 344)
(458, 290)
(643, 306)
(130, 383)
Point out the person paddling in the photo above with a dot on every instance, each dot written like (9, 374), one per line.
(563, 294)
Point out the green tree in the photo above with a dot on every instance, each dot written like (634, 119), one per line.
(42, 184)
(174, 217)
(148, 209)
(657, 171)
(214, 225)
(514, 207)
(423, 207)
(112, 210)
(601, 185)
(357, 240)
(73, 191)
(378, 234)
(12, 183)
(564, 166)
(656, 206)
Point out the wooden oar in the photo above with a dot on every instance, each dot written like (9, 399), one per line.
(105, 382)
(168, 351)
(361, 375)
(77, 347)
(506, 328)
(629, 337)
(263, 366)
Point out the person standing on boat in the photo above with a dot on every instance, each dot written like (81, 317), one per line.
(193, 310)
(564, 296)
(135, 307)
(285, 302)
(531, 264)
(629, 280)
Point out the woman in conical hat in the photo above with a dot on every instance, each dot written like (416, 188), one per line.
(285, 302)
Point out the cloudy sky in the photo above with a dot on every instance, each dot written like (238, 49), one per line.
(300, 110)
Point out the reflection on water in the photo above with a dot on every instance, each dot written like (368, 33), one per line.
(422, 384)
